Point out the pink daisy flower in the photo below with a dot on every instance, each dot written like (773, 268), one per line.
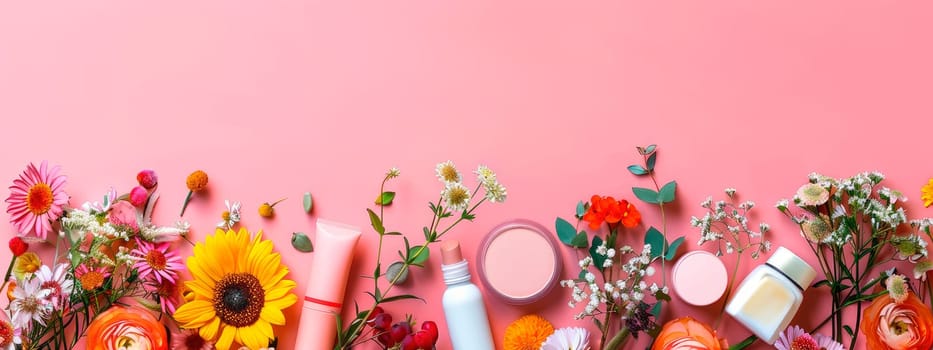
(36, 199)
(189, 339)
(91, 278)
(167, 292)
(156, 260)
(795, 338)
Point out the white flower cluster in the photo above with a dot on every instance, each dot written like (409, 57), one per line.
(79, 222)
(725, 222)
(612, 295)
(495, 192)
(457, 196)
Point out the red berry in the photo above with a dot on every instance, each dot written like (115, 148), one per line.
(382, 321)
(147, 179)
(138, 196)
(399, 331)
(431, 328)
(372, 315)
(408, 343)
(18, 246)
(424, 340)
(385, 338)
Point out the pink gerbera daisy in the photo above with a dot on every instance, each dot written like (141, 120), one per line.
(167, 292)
(36, 199)
(795, 338)
(189, 339)
(91, 278)
(156, 260)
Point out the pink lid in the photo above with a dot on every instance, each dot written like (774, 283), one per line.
(519, 262)
(450, 252)
(699, 278)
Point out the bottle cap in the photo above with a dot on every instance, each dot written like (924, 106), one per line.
(793, 267)
(450, 252)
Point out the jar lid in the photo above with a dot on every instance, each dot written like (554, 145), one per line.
(792, 266)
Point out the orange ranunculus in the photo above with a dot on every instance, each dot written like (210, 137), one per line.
(611, 211)
(126, 328)
(687, 333)
(889, 325)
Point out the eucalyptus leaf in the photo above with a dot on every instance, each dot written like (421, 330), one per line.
(421, 257)
(652, 159)
(672, 250)
(385, 198)
(598, 259)
(656, 239)
(579, 241)
(667, 192)
(301, 242)
(645, 194)
(656, 310)
(565, 231)
(308, 202)
(650, 149)
(581, 209)
(637, 169)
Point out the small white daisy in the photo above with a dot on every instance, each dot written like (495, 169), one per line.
(448, 173)
(230, 217)
(457, 196)
(30, 303)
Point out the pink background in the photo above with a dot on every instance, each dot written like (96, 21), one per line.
(273, 99)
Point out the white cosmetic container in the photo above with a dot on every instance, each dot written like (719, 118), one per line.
(769, 297)
(464, 310)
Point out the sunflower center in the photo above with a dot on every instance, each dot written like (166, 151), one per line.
(91, 280)
(804, 342)
(39, 199)
(238, 299)
(156, 259)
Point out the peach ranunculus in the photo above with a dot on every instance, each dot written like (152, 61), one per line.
(887, 324)
(127, 328)
(687, 333)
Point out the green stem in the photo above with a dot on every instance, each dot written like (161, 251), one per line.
(187, 199)
(729, 286)
(616, 342)
(745, 343)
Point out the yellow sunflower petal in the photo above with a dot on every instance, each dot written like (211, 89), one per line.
(268, 282)
(272, 315)
(209, 331)
(280, 289)
(251, 337)
(265, 329)
(282, 303)
(226, 338)
(200, 289)
(194, 314)
(200, 273)
(204, 258)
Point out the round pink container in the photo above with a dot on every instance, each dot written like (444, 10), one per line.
(699, 278)
(519, 262)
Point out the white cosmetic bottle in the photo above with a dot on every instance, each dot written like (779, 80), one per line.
(464, 310)
(769, 297)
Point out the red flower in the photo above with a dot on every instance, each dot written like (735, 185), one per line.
(611, 211)
(18, 246)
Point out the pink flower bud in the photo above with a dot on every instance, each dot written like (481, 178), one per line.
(147, 179)
(138, 196)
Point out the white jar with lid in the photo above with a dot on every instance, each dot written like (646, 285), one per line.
(769, 297)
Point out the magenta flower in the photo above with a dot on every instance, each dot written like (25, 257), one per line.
(155, 259)
(36, 199)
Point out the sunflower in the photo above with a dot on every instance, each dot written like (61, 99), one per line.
(36, 199)
(239, 290)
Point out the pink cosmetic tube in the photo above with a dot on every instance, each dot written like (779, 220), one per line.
(330, 267)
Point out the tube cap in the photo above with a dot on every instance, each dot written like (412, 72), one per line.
(793, 267)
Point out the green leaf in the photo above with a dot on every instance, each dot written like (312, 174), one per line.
(565, 231)
(581, 209)
(821, 283)
(468, 217)
(637, 170)
(656, 239)
(672, 250)
(645, 194)
(301, 242)
(378, 271)
(308, 202)
(667, 192)
(421, 257)
(650, 149)
(579, 241)
(385, 198)
(848, 329)
(376, 222)
(656, 310)
(393, 233)
(400, 297)
(652, 159)
(598, 259)
(582, 275)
